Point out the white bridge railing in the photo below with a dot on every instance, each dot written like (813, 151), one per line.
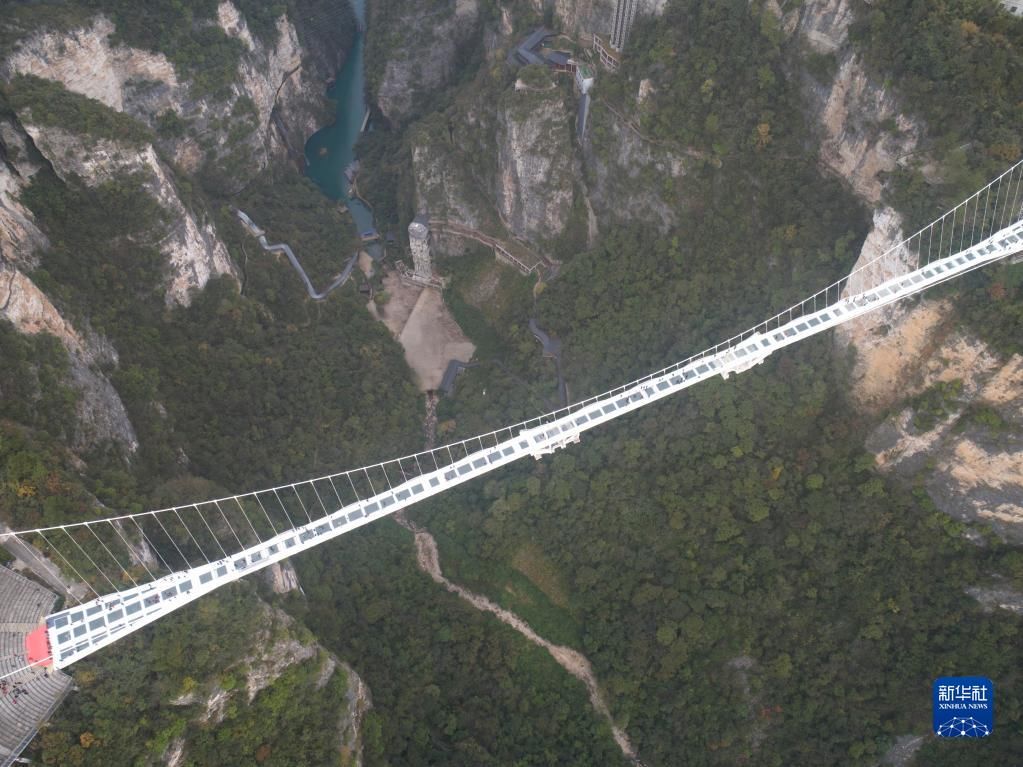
(143, 566)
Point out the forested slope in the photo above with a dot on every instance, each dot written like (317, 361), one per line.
(735, 557)
(238, 381)
(749, 587)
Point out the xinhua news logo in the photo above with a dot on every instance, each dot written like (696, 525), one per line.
(964, 707)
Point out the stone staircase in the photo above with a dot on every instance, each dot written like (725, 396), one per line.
(23, 605)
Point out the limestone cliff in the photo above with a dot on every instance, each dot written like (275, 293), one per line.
(101, 414)
(20, 238)
(620, 161)
(972, 456)
(416, 48)
(450, 182)
(278, 78)
(536, 162)
(278, 646)
(864, 134)
(272, 104)
(583, 18)
(501, 160)
(193, 250)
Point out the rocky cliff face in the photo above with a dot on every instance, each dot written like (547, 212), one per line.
(276, 78)
(101, 414)
(273, 104)
(501, 160)
(536, 162)
(863, 132)
(971, 457)
(970, 454)
(443, 189)
(450, 179)
(418, 45)
(193, 250)
(620, 161)
(20, 238)
(583, 17)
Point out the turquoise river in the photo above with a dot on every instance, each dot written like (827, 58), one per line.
(330, 151)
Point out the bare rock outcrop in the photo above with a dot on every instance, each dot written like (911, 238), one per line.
(101, 414)
(535, 184)
(434, 36)
(824, 24)
(85, 62)
(279, 77)
(864, 133)
(20, 238)
(445, 185)
(282, 577)
(193, 250)
(583, 17)
(499, 165)
(273, 76)
(854, 146)
(998, 596)
(971, 457)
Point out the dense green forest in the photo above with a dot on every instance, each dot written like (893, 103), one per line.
(734, 557)
(450, 685)
(743, 521)
(119, 714)
(749, 588)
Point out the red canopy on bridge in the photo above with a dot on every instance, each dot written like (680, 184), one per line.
(37, 648)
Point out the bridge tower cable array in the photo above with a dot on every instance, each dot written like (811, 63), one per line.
(140, 567)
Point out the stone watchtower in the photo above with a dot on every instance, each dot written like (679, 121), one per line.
(419, 242)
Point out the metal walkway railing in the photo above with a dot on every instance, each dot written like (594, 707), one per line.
(158, 561)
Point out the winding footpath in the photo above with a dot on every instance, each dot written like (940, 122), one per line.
(573, 661)
(284, 248)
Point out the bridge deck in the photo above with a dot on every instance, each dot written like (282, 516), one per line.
(79, 631)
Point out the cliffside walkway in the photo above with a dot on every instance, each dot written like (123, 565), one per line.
(316, 295)
(634, 127)
(511, 252)
(173, 556)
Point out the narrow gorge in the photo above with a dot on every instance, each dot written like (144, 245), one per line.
(770, 569)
